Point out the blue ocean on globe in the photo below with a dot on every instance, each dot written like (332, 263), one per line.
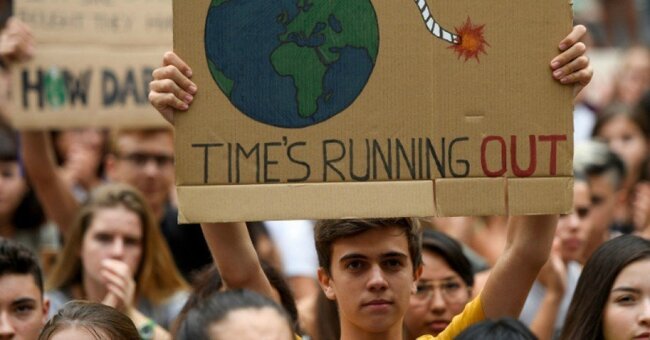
(291, 63)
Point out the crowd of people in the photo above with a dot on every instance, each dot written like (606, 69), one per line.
(90, 247)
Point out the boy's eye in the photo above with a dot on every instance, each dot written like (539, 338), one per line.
(393, 263)
(24, 309)
(354, 265)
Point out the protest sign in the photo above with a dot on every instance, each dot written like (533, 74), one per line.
(368, 108)
(93, 63)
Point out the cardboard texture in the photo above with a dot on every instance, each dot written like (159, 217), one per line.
(93, 64)
(360, 108)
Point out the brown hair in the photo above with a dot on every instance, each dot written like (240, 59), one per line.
(156, 277)
(329, 231)
(99, 320)
(585, 315)
(142, 133)
(615, 110)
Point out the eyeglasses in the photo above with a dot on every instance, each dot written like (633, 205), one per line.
(451, 290)
(142, 159)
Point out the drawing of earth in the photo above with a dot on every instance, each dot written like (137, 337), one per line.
(291, 63)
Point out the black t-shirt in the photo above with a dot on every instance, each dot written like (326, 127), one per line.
(186, 242)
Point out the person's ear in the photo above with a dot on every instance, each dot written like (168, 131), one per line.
(46, 309)
(326, 284)
(416, 277)
(109, 166)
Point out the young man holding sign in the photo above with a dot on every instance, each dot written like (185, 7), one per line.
(370, 266)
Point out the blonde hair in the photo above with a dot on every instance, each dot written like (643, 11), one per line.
(156, 277)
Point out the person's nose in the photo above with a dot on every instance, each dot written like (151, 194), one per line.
(438, 303)
(377, 280)
(6, 328)
(644, 316)
(574, 222)
(117, 248)
(151, 168)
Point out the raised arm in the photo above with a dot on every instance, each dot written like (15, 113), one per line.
(235, 256)
(52, 191)
(528, 248)
(229, 243)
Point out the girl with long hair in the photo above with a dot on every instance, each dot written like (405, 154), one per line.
(115, 254)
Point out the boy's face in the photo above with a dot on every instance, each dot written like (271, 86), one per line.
(22, 309)
(371, 279)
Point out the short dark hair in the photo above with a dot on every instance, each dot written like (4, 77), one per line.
(16, 258)
(99, 320)
(329, 231)
(585, 314)
(500, 329)
(594, 158)
(216, 308)
(451, 251)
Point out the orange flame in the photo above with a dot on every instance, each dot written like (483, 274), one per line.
(472, 42)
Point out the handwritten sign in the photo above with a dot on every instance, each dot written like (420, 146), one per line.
(93, 64)
(400, 109)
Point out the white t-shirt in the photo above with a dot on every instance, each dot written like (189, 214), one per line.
(295, 241)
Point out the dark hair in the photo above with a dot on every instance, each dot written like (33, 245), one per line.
(501, 329)
(28, 214)
(327, 232)
(593, 158)
(216, 308)
(451, 251)
(585, 314)
(99, 320)
(209, 281)
(16, 258)
(634, 114)
(328, 325)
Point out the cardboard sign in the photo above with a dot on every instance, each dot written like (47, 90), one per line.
(367, 108)
(93, 64)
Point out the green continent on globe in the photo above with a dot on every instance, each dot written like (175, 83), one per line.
(312, 41)
(307, 72)
(216, 3)
(224, 82)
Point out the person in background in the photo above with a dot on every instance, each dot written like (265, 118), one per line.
(549, 298)
(605, 173)
(21, 215)
(612, 299)
(443, 289)
(627, 133)
(236, 314)
(88, 320)
(114, 254)
(23, 309)
(142, 158)
(632, 80)
(80, 155)
(209, 282)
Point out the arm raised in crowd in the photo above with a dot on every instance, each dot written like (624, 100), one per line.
(229, 243)
(51, 189)
(527, 250)
(235, 256)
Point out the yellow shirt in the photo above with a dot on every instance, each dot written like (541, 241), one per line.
(472, 314)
